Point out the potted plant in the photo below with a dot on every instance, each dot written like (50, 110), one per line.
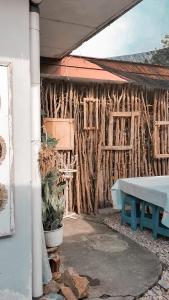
(53, 185)
(53, 205)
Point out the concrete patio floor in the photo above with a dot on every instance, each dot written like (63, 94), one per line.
(116, 267)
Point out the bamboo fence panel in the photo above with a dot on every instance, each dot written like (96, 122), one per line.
(98, 167)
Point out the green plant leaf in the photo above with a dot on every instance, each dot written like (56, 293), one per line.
(53, 200)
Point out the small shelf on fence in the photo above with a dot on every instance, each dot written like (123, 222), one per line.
(62, 130)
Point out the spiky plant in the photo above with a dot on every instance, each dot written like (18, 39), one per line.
(53, 202)
(53, 185)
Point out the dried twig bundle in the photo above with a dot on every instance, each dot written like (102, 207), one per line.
(49, 160)
(2, 149)
(3, 196)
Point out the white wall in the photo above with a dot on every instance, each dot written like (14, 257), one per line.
(15, 251)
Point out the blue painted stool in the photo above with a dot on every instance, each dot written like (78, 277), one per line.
(148, 213)
(159, 227)
(152, 219)
(131, 213)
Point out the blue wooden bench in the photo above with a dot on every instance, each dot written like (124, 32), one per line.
(138, 212)
(130, 211)
(160, 229)
(151, 218)
(148, 220)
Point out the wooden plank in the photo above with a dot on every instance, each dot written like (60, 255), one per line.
(110, 132)
(160, 123)
(157, 124)
(90, 99)
(89, 128)
(97, 114)
(155, 139)
(88, 125)
(117, 148)
(124, 113)
(58, 120)
(85, 113)
(158, 156)
(132, 130)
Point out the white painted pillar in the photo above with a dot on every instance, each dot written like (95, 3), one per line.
(37, 290)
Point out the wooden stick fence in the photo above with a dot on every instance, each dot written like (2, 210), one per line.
(91, 105)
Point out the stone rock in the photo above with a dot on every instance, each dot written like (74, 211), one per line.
(164, 284)
(78, 284)
(52, 250)
(51, 287)
(52, 297)
(67, 293)
(57, 276)
(55, 263)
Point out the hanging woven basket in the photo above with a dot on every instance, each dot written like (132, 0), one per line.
(2, 149)
(3, 196)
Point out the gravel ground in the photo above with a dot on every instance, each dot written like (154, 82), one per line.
(160, 247)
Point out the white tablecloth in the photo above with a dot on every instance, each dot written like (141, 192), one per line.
(150, 189)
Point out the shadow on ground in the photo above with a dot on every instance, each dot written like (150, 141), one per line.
(115, 266)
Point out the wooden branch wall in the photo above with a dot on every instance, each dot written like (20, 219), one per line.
(98, 166)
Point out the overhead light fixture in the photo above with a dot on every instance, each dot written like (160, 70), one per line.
(37, 2)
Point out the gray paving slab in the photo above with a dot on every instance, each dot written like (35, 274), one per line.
(52, 297)
(116, 298)
(116, 267)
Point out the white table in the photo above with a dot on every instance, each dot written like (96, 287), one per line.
(153, 189)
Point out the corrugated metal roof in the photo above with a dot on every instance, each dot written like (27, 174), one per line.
(92, 69)
(145, 57)
(145, 74)
(136, 68)
(78, 68)
(142, 57)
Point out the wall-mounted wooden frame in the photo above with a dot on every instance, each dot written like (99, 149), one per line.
(91, 111)
(157, 125)
(62, 130)
(114, 115)
(7, 224)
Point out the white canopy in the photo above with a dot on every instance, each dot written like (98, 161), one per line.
(66, 24)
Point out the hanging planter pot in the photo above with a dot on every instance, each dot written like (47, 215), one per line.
(54, 238)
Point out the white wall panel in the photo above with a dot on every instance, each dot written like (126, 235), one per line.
(6, 162)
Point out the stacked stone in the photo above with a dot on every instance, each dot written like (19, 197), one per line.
(65, 284)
